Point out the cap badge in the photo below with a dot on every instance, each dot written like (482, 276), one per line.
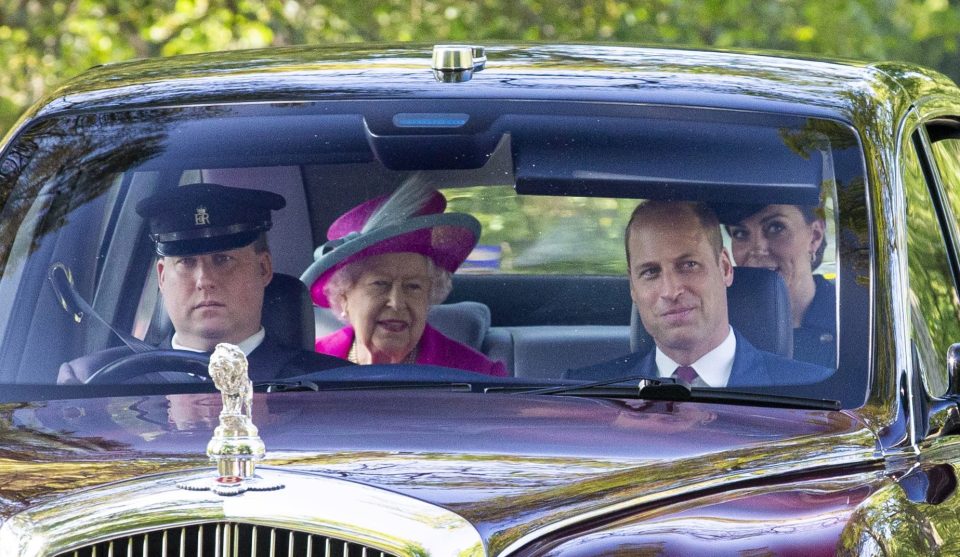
(201, 217)
(236, 444)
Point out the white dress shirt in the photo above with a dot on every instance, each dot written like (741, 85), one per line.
(713, 368)
(246, 346)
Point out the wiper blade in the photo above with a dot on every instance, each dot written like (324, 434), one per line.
(286, 386)
(669, 389)
(292, 386)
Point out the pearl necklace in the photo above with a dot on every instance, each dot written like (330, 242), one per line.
(410, 359)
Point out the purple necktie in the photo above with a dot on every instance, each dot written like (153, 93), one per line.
(686, 374)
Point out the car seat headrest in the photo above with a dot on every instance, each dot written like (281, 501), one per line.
(466, 322)
(288, 312)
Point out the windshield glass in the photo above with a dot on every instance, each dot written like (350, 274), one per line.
(114, 250)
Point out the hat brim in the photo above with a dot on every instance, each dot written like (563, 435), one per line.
(447, 239)
(199, 246)
(733, 213)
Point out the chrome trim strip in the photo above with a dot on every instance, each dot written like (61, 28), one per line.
(355, 513)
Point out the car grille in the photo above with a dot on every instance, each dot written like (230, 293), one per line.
(224, 540)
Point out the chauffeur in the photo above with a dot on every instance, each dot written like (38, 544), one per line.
(212, 269)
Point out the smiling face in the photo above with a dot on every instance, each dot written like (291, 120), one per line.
(387, 306)
(779, 238)
(215, 297)
(678, 281)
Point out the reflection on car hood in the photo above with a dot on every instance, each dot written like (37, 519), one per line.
(507, 463)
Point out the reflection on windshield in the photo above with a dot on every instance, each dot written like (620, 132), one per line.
(550, 290)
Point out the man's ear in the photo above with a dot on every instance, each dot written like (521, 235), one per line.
(266, 268)
(160, 273)
(633, 293)
(726, 267)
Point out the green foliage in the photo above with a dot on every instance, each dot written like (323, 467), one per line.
(543, 234)
(43, 42)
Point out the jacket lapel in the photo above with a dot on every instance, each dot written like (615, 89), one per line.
(749, 367)
(646, 366)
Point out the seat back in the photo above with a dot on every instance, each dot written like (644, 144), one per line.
(288, 312)
(758, 307)
(465, 322)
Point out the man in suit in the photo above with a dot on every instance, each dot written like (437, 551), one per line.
(679, 274)
(212, 268)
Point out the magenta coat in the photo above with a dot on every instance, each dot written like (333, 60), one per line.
(435, 349)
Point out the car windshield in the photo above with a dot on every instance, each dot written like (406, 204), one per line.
(545, 293)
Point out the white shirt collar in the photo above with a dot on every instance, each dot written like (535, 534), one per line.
(714, 367)
(246, 346)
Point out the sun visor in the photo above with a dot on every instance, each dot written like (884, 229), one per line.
(206, 141)
(665, 159)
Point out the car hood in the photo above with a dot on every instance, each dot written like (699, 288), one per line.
(509, 464)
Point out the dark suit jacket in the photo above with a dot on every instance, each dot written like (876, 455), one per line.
(270, 360)
(751, 368)
(815, 340)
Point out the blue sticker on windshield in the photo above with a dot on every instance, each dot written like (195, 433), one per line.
(429, 120)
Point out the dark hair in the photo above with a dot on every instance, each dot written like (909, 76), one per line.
(261, 245)
(708, 221)
(810, 214)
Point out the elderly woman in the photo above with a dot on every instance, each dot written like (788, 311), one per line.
(791, 240)
(388, 260)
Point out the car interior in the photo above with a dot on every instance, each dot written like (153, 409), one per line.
(541, 311)
(538, 325)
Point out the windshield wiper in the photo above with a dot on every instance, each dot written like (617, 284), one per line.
(668, 389)
(292, 386)
(285, 386)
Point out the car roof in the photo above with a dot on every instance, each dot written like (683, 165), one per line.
(600, 73)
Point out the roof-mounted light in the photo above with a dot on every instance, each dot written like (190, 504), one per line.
(456, 63)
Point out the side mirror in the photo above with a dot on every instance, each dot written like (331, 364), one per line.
(953, 367)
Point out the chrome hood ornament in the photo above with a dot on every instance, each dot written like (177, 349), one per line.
(236, 443)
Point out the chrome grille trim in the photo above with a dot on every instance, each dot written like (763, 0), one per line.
(228, 539)
(125, 513)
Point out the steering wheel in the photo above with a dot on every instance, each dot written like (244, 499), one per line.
(154, 361)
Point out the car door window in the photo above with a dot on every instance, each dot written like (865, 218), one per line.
(946, 153)
(935, 305)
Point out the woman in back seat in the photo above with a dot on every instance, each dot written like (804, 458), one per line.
(791, 240)
(386, 262)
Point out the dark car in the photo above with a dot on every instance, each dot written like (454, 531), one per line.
(846, 446)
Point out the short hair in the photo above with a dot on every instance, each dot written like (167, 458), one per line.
(707, 217)
(344, 278)
(261, 245)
